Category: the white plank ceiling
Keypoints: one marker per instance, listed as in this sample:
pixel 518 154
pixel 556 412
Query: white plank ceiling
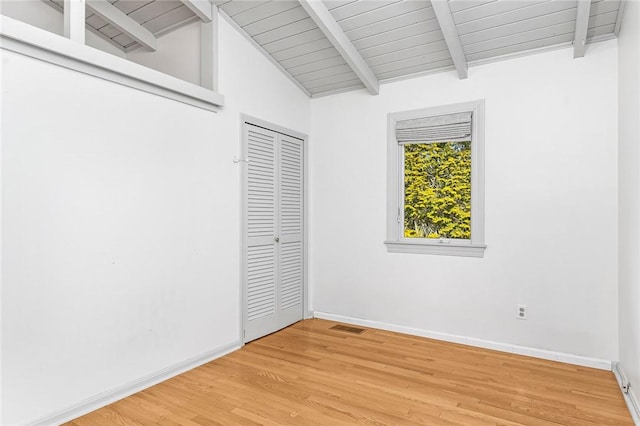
pixel 287 34
pixel 385 39
pixel 403 38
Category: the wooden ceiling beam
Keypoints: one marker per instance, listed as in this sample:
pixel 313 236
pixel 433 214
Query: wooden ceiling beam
pixel 582 24
pixel 323 19
pixel 202 9
pixel 124 23
pixel 451 37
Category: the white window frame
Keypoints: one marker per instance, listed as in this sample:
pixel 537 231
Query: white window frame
pixel 396 242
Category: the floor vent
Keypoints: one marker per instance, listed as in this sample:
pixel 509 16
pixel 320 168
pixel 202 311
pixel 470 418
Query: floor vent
pixel 348 329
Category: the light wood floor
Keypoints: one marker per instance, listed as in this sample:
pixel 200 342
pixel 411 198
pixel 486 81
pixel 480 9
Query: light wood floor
pixel 309 374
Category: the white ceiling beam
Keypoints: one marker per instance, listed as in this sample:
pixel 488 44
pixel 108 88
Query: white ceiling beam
pixel 60 9
pixel 124 23
pixel 209 52
pixel 616 29
pixel 582 24
pixel 74 22
pixel 451 37
pixel 323 19
pixel 202 9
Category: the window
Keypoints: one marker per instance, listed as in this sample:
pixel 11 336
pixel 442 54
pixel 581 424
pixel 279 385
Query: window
pixel 435 201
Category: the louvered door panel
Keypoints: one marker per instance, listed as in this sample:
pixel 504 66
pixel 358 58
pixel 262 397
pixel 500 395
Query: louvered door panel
pixel 291 275
pixel 261 282
pixel 261 219
pixel 290 184
pixel 261 257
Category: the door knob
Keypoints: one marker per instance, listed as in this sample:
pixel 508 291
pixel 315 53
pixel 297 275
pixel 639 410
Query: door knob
pixel 277 239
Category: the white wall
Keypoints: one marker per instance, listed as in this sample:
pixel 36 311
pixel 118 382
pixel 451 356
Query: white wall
pixel 120 221
pixel 120 224
pixel 629 195
pixel 178 54
pixel 551 208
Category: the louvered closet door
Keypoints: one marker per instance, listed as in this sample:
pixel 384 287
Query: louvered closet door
pixel 291 214
pixel 261 227
pixel 273 249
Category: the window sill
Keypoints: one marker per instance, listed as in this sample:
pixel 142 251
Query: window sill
pixel 40 44
pixel 446 249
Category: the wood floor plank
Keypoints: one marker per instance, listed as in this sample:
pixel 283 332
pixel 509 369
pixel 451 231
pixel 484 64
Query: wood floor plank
pixel 310 374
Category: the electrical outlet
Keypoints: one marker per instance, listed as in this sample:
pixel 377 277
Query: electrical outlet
pixel 522 312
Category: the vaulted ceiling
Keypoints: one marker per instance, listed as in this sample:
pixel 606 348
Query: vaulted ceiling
pixel 332 46
pixel 360 43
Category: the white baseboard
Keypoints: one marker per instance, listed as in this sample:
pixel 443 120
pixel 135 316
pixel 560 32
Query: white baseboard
pixel 630 397
pixel 112 395
pixel 472 341
pixel 634 406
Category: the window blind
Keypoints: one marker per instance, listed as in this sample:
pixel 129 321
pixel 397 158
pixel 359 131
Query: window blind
pixel 441 128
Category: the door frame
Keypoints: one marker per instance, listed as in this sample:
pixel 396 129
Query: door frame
pixel 248 119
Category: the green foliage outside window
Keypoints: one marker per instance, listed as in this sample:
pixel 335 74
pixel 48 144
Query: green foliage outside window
pixel 437 190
